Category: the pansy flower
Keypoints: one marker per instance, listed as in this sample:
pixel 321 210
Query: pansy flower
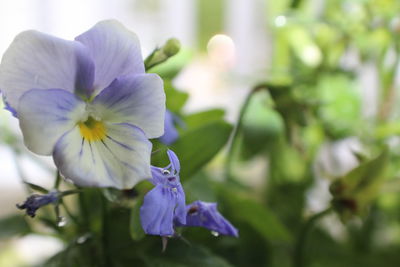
pixel 87 102
pixel 205 214
pixel 165 202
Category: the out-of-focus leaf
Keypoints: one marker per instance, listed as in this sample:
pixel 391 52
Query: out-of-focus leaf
pixel 14 225
pixel 262 126
pixel 258 216
pixel 169 69
pixel 175 99
pixel 135 226
pixel 37 188
pixel 200 118
pixel 341 109
pixel 181 254
pixel 303 45
pixel 387 129
pixel 197 147
pixel 286 163
pixel 354 192
pixel 76 254
pixel 200 187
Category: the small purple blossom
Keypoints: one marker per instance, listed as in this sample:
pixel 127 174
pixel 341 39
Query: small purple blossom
pixel 204 214
pixel 165 202
pixel 36 201
pixel 170 132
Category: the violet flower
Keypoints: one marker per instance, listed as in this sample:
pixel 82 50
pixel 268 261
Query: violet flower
pixel 87 102
pixel 165 202
pixel 170 132
pixel 36 201
pixel 204 214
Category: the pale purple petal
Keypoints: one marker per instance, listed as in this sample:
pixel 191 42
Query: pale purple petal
pixel 45 115
pixel 138 100
pixel 38 60
pixel 170 132
pixel 115 51
pixel 120 160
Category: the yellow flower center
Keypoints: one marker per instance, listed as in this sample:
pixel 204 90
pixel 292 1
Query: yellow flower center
pixel 92 130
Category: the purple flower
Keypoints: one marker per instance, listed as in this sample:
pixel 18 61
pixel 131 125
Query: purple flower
pixel 34 202
pixel 165 202
pixel 206 215
pixel 87 102
pixel 170 132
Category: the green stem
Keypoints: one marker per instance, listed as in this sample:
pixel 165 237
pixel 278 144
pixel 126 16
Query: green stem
pixel 301 243
pixel 69 213
pixel 237 130
pixel 57 181
pixel 106 251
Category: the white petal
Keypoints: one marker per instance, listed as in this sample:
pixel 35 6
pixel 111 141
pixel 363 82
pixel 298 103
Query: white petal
pixel 45 115
pixel 115 51
pixel 138 100
pixel 121 160
pixel 36 60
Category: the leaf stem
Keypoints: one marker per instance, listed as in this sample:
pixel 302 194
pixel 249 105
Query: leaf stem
pixel 237 130
pixel 57 181
pixel 298 255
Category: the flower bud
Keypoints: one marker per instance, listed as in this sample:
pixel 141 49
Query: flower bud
pixel 171 47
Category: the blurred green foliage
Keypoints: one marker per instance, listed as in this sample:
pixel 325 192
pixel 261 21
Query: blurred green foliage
pixel 311 97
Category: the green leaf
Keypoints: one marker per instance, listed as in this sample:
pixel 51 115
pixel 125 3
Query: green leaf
pixel 200 118
pixel 170 68
pixel 362 177
pixel 135 227
pixel 197 147
pixel 262 126
pixel 37 188
pixel 199 187
pixel 257 216
pixel 13 226
pixel 180 254
pixel 353 193
pixel 340 113
pixel 175 99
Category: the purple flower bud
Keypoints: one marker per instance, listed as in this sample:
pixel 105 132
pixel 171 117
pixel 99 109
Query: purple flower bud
pixel 165 202
pixel 204 214
pixel 36 201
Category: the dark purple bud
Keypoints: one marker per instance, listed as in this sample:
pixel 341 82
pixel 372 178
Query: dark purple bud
pixel 36 201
